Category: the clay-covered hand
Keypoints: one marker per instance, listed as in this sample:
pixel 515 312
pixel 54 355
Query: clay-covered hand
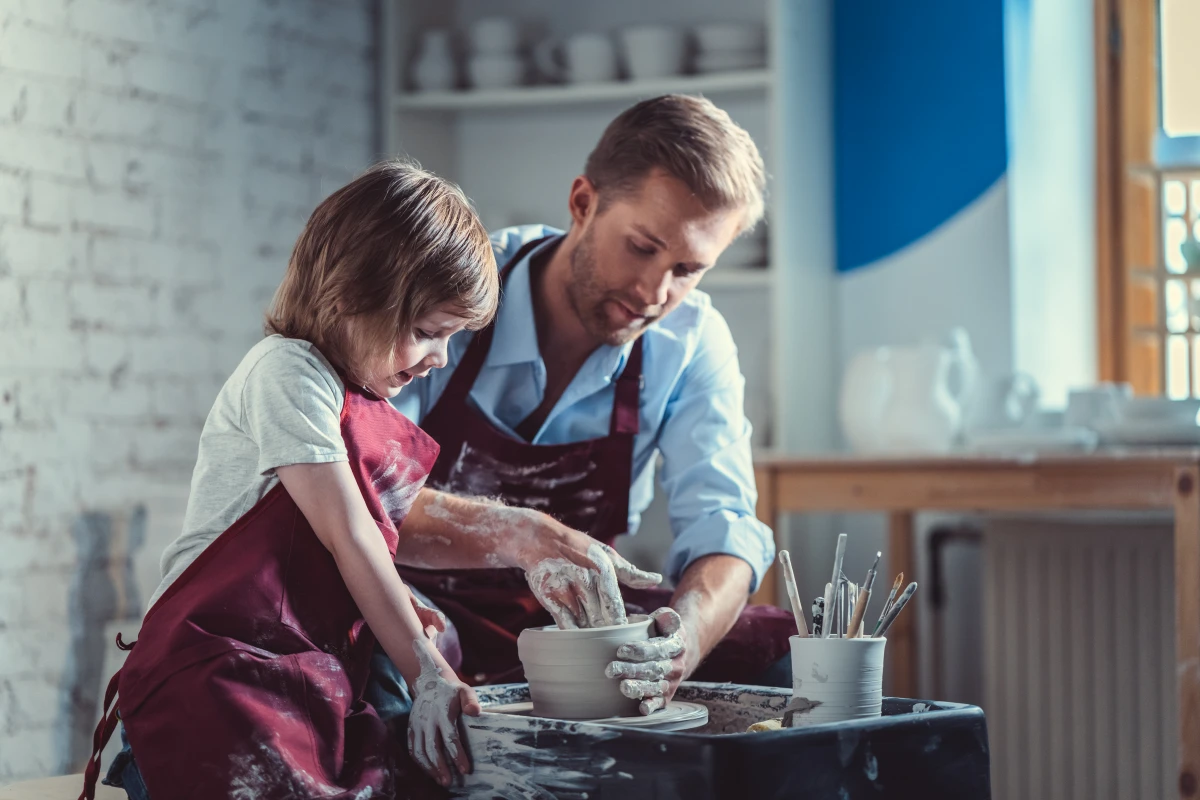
pixel 651 671
pixel 433 621
pixel 434 738
pixel 577 579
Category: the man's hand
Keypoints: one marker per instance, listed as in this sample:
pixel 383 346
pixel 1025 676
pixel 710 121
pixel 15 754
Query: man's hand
pixel 577 579
pixel 651 671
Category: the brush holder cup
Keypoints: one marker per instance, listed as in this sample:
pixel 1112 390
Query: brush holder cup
pixel 842 677
pixel 565 669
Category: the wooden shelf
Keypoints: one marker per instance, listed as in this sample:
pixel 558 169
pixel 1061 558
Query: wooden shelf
pixel 582 94
pixel 738 278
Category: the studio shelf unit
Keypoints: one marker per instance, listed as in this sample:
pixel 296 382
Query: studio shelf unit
pixel 515 151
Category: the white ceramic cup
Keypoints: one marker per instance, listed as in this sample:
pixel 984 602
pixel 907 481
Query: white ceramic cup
pixel 844 677
pixel 565 669
pixel 653 51
pixel 496 36
pixel 495 72
pixel 582 58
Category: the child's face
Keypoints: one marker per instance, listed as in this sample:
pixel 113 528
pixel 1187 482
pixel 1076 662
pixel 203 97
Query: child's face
pixel 417 351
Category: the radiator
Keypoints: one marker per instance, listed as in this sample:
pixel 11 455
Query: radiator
pixel 1079 653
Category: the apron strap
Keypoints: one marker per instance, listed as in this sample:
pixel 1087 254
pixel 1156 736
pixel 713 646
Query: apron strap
pixel 627 401
pixel 104 732
pixel 467 370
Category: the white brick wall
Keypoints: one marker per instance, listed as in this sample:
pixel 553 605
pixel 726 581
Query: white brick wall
pixel 157 159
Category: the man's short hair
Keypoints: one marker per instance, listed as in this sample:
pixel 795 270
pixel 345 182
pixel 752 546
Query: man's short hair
pixel 689 139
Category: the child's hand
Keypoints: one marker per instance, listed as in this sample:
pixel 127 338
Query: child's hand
pixel 434 738
pixel 433 621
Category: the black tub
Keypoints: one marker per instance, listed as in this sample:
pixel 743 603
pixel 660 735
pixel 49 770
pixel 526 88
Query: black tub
pixel 917 749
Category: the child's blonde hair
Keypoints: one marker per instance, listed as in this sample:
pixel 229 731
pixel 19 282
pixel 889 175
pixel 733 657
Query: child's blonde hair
pixel 387 248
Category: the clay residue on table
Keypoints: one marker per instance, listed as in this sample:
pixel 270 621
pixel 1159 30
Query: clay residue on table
pixel 732 709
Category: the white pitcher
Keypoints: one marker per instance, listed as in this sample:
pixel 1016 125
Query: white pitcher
pixel 908 399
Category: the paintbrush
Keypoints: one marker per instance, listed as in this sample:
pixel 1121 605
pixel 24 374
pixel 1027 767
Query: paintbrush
pixel 895 610
pixel 864 596
pixel 887 604
pixel 831 587
pixel 789 579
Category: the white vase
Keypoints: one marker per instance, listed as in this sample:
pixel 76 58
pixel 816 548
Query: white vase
pixel 908 399
pixel 433 68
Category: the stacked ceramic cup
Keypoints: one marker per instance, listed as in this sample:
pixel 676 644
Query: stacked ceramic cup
pixel 653 51
pixel 729 47
pixel 494 60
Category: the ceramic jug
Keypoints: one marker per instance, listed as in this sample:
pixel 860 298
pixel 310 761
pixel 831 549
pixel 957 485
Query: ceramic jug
pixel 909 399
pixel 433 68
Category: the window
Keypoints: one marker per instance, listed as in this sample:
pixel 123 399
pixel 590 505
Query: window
pixel 1148 194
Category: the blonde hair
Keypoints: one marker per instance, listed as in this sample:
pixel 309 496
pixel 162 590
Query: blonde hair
pixel 387 248
pixel 691 140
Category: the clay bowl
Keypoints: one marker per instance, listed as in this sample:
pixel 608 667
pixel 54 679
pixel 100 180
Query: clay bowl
pixel 565 669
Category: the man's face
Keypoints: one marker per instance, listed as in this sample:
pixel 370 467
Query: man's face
pixel 638 258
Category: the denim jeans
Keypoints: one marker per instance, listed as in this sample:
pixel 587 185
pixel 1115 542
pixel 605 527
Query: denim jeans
pixel 123 772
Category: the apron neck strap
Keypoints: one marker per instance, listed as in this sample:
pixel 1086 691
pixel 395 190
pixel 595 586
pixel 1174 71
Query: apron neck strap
pixel 467 370
pixel 628 394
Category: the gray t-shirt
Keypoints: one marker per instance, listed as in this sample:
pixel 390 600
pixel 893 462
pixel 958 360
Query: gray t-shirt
pixel 281 406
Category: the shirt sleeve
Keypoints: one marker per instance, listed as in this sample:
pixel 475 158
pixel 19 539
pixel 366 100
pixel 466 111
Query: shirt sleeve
pixel 708 471
pixel 291 408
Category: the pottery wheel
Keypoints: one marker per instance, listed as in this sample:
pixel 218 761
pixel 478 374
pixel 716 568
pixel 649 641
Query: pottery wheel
pixel 677 716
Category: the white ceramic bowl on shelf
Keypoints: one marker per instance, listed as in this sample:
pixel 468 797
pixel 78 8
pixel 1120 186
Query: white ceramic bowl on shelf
pixel 496 36
pixel 720 37
pixel 565 669
pixel 495 72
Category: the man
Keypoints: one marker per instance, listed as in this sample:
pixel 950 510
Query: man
pixel 602 357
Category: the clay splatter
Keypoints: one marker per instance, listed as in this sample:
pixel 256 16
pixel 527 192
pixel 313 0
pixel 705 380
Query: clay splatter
pixel 397 481
pixel 871 764
pixel 478 473
pixel 429 723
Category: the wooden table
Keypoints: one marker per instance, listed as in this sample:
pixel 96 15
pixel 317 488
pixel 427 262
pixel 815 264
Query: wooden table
pixel 899 487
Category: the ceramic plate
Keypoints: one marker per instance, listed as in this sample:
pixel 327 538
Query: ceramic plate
pixel 678 715
pixel 1038 441
pixel 1151 432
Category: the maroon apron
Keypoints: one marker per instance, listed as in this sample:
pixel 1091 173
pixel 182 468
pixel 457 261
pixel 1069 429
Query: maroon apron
pixel 584 485
pixel 248 677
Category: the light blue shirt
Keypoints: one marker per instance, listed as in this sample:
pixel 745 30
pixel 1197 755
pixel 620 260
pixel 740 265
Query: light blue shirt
pixel 691 412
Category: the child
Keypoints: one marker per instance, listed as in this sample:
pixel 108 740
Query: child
pixel 248 677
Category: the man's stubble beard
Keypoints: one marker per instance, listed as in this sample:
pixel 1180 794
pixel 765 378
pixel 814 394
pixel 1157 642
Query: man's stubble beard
pixel 587 296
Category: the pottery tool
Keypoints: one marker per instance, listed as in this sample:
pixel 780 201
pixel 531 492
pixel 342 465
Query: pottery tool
pixel 818 615
pixel 895 610
pixel 843 605
pixel 789 578
pixel 839 554
pixel 864 597
pixel 887 604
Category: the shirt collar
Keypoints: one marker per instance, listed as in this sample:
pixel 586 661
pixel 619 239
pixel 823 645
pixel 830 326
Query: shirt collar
pixel 515 338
